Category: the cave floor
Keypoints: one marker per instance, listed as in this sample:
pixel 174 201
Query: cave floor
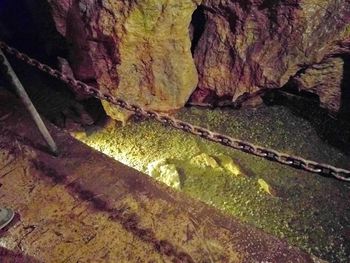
pixel 86 207
pixel 308 210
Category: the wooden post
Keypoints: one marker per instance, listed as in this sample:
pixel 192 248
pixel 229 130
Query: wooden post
pixel 28 103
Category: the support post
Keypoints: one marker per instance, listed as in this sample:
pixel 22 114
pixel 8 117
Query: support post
pixel 27 103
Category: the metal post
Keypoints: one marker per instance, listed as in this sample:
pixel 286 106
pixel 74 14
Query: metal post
pixel 28 103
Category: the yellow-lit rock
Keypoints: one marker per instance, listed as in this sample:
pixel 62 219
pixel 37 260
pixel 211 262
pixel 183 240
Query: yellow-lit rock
pixel 267 188
pixel 157 69
pixel 165 172
pixel 139 51
pixel 204 160
pixel 228 164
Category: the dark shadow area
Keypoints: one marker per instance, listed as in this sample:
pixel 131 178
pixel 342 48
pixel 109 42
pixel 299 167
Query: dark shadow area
pixel 334 130
pixel 55 100
pixel 271 8
pixel 197 26
pixel 9 256
pixel 28 26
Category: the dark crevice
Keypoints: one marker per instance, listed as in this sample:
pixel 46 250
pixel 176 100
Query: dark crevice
pixel 29 27
pixel 229 14
pixel 197 26
pixel 271 7
pixel 54 100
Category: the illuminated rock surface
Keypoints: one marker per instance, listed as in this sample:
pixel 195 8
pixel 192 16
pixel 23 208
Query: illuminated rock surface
pixel 141 51
pixel 249 45
pixel 137 51
pixel 325 80
pixel 165 172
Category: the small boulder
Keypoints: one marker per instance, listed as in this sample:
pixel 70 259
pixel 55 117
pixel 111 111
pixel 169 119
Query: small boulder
pixel 267 188
pixel 165 172
pixel 204 160
pixel 228 164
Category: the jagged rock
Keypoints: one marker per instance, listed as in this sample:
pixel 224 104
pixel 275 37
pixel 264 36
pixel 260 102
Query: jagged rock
pixel 267 188
pixel 165 172
pixel 244 46
pixel 325 80
pixel 220 163
pixel 228 164
pixel 205 161
pixel 139 51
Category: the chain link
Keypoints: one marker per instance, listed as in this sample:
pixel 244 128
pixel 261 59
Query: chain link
pixel 266 153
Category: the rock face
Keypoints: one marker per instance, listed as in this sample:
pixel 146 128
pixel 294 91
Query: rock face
pixel 325 80
pixel 249 45
pixel 141 50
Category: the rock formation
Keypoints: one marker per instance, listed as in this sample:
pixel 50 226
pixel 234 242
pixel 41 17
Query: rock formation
pixel 155 53
pixel 139 51
pixel 250 45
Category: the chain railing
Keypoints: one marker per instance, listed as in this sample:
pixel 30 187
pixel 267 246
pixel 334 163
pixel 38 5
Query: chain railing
pixel 237 144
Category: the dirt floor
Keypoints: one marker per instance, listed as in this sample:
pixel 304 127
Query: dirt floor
pixel 86 207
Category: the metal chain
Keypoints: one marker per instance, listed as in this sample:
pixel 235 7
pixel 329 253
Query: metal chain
pixel 237 144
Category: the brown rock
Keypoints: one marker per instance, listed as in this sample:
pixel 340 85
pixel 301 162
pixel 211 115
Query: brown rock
pixel 325 80
pixel 141 50
pixel 136 51
pixel 249 45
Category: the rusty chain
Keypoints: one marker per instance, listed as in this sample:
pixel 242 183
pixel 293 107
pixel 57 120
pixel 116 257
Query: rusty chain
pixel 266 153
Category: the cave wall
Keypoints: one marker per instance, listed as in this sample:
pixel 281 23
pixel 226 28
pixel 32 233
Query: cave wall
pixel 136 50
pixel 251 45
pixel 156 53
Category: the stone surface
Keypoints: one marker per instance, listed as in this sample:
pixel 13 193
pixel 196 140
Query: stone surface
pixel 165 172
pixel 249 45
pixel 325 80
pixel 204 160
pixel 266 187
pixel 227 163
pixel 141 50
